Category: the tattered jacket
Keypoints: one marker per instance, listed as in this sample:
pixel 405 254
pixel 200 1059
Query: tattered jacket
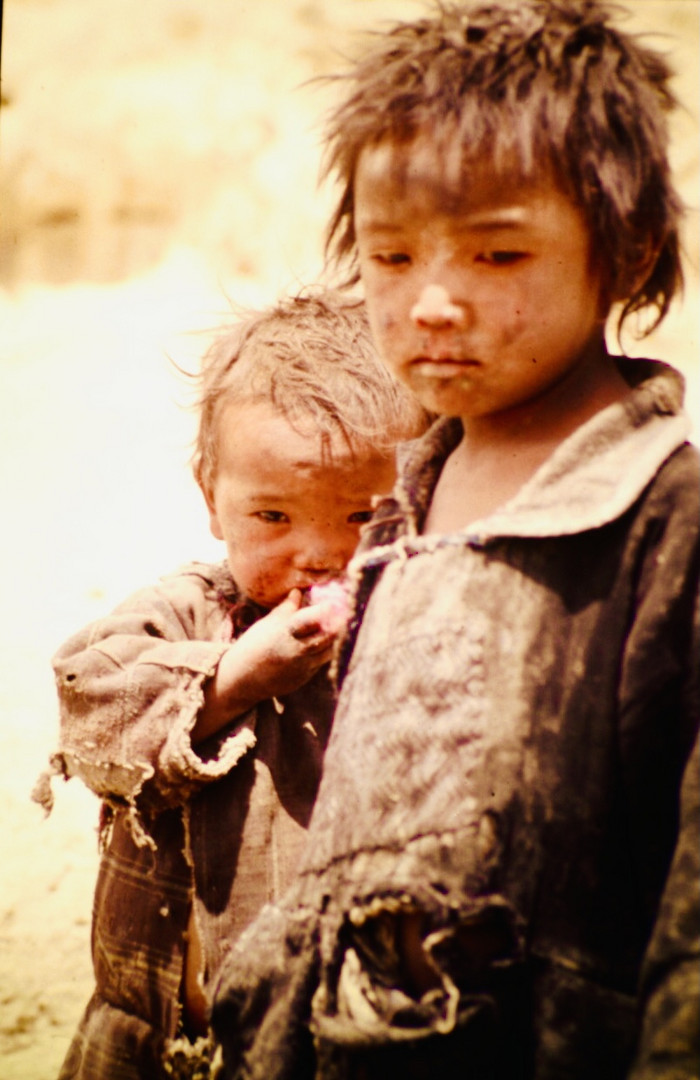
pixel 518 705
pixel 220 826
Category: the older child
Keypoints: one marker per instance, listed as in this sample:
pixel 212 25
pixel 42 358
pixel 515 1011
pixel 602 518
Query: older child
pixel 520 677
pixel 199 710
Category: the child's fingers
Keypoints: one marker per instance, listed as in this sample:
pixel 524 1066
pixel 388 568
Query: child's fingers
pixel 306 624
pixel 325 655
pixel 319 654
pixel 291 602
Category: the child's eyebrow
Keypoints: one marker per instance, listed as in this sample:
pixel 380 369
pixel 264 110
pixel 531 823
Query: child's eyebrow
pixel 367 224
pixel 510 218
pixel 480 221
pixel 264 493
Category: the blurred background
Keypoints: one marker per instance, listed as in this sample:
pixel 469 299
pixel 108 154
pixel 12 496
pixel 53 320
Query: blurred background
pixel 158 164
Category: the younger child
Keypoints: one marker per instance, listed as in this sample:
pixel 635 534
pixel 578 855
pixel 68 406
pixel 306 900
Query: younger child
pixel 515 891
pixel 199 710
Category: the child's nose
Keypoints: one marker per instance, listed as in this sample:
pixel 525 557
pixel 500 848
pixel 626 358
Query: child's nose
pixel 435 309
pixel 324 555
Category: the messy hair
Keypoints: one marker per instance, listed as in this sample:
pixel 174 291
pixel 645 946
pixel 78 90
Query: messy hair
pixel 312 358
pixel 532 86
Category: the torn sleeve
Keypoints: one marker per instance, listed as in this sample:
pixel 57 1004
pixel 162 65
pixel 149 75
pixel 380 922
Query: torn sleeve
pixel 130 687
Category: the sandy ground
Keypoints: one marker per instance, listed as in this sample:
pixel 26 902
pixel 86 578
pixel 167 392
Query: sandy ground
pixel 157 162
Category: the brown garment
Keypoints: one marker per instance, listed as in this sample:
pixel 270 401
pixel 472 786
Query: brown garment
pixel 221 827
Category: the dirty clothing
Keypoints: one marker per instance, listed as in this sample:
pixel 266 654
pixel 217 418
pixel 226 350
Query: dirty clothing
pixel 519 701
pixel 221 826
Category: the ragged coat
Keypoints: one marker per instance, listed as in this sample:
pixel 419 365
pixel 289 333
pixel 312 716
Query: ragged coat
pixel 518 706
pixel 219 827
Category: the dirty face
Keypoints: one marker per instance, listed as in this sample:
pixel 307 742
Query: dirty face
pixel 480 289
pixel 288 510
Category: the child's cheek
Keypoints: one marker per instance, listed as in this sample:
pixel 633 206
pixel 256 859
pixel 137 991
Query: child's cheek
pixel 382 311
pixel 509 314
pixel 384 323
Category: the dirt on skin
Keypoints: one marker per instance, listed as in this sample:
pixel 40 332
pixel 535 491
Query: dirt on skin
pixel 159 162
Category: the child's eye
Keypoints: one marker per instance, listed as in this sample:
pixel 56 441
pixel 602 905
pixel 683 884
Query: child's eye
pixel 360 517
pixel 392 258
pixel 274 516
pixel 501 258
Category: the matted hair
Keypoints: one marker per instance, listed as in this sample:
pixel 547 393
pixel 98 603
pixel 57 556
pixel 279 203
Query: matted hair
pixel 531 86
pixel 312 358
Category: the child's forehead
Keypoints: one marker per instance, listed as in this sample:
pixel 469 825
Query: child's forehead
pixel 256 413
pixel 261 425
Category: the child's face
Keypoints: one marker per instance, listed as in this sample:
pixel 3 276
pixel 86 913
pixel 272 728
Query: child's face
pixel 290 517
pixel 480 291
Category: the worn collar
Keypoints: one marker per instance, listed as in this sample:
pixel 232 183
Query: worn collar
pixel 591 478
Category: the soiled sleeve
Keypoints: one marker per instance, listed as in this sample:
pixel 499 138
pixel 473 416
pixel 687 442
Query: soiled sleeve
pixel 130 687
pixel 670 1042
pixel 660 690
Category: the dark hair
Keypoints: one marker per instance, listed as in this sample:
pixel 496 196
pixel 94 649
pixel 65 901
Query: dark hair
pixel 530 86
pixel 312 357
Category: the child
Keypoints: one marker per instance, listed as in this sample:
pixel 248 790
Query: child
pixel 199 710
pixel 519 680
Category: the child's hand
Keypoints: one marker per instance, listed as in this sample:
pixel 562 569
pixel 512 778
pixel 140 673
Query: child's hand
pixel 281 651
pixel 275 656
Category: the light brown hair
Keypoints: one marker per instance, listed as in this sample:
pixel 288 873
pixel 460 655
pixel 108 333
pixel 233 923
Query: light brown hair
pixel 312 357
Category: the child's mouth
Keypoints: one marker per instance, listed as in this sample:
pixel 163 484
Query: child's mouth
pixel 443 367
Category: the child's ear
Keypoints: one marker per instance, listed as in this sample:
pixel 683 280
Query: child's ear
pixel 214 523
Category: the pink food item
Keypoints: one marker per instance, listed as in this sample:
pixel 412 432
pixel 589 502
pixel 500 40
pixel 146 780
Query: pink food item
pixel 334 599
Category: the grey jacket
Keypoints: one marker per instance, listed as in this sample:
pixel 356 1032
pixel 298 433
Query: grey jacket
pixel 519 702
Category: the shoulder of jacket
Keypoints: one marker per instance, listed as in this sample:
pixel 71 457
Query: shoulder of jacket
pixel 204 577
